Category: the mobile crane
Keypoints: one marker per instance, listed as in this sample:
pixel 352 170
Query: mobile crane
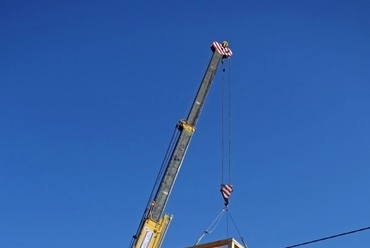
pixel 154 223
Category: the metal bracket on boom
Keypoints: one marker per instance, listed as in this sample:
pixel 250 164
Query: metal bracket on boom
pixel 184 125
pixel 151 208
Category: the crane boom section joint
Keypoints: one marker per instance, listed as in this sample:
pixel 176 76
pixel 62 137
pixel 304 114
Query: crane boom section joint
pixel 184 125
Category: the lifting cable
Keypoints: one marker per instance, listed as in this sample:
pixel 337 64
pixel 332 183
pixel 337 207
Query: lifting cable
pixel 226 188
pixel 229 119
pixel 213 226
pixel 241 237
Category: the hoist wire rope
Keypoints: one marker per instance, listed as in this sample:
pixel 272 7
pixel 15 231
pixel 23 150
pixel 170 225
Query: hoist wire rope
pixel 212 226
pixel 223 125
pixel 160 175
pixel 164 165
pixel 222 122
pixel 229 72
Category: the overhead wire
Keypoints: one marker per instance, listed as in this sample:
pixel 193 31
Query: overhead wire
pixel 329 237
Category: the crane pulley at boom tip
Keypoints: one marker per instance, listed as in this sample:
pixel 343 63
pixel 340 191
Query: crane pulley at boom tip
pixel 154 222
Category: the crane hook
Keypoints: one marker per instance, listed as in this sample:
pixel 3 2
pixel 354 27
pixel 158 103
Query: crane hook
pixel 226 190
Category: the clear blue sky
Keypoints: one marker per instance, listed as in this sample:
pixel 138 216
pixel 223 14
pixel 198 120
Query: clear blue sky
pixel 90 92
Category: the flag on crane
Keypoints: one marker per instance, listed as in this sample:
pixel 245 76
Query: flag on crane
pixel 226 190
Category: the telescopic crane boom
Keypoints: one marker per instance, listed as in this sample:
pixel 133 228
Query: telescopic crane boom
pixel 154 223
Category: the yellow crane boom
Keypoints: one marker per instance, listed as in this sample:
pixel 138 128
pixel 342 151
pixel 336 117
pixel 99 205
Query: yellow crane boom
pixel 154 223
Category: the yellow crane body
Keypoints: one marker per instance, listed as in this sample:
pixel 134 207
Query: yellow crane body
pixel 153 232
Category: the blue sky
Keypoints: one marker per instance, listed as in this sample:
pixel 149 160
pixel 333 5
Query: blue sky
pixel 90 92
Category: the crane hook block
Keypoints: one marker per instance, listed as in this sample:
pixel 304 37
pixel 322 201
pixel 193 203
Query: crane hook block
pixel 226 190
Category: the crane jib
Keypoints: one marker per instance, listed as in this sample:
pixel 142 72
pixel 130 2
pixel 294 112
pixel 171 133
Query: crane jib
pixel 183 141
pixel 185 129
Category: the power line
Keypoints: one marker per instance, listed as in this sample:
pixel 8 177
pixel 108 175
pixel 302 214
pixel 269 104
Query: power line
pixel 329 237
